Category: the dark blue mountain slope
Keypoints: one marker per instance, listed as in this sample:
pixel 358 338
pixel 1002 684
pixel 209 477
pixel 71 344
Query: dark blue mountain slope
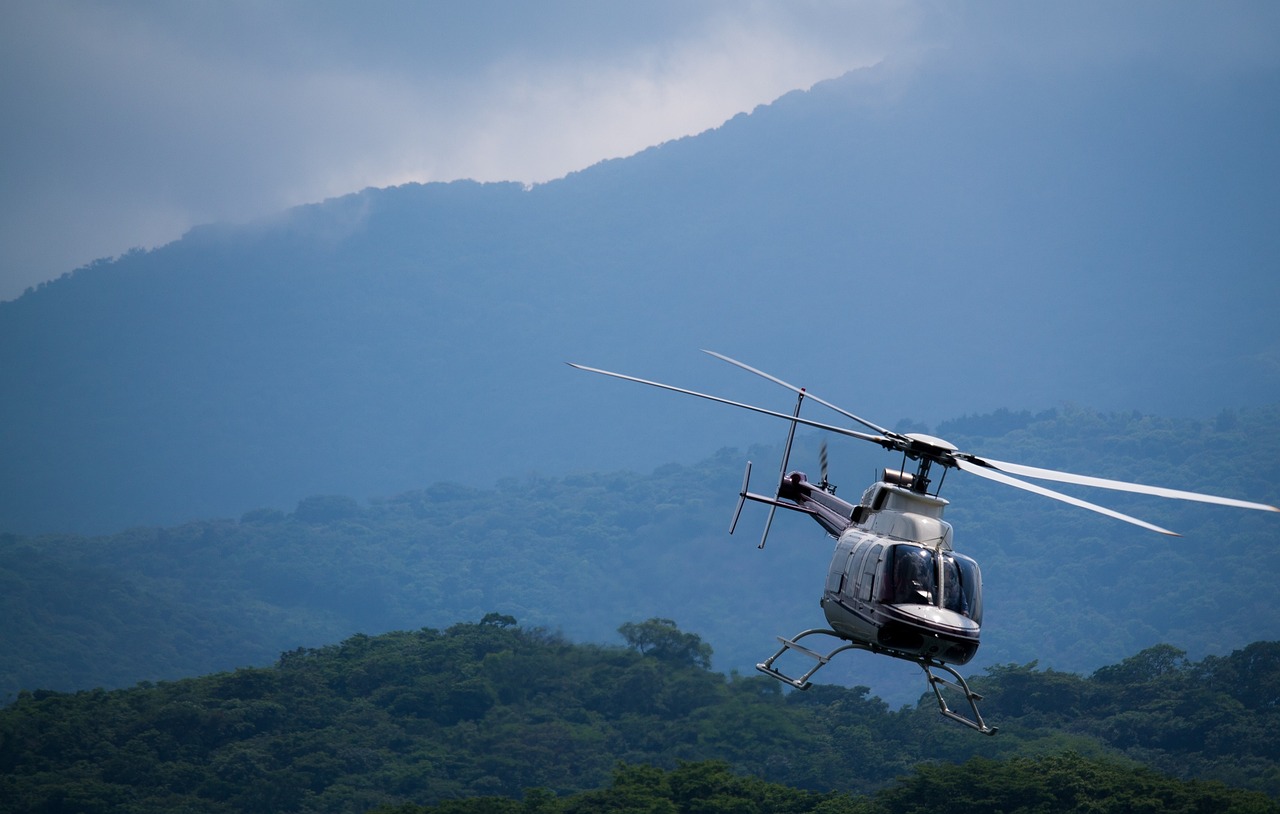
pixel 919 243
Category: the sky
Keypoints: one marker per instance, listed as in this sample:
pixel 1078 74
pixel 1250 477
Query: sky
pixel 129 122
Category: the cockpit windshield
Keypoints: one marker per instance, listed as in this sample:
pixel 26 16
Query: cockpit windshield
pixel 913 576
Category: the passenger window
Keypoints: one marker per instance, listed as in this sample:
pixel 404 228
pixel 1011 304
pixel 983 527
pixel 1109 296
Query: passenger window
pixel 854 566
pixel 839 565
pixel 868 578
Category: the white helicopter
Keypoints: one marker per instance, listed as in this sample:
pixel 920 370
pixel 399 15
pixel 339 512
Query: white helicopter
pixel 895 586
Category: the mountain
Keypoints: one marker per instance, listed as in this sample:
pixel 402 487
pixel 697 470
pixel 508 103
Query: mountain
pixel 918 242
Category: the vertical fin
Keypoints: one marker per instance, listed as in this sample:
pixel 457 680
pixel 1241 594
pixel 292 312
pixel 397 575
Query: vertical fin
pixel 768 521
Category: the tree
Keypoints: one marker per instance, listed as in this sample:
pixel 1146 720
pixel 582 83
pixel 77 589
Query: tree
pixel 664 641
pixel 1154 663
pixel 498 620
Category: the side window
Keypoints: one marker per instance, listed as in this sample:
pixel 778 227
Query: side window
pixel 853 566
pixel 839 565
pixel 971 581
pixel 869 568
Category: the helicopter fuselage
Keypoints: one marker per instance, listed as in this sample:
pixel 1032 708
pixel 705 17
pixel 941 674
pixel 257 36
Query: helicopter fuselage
pixel 894 583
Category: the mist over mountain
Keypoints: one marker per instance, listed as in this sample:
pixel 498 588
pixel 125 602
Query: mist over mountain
pixel 916 242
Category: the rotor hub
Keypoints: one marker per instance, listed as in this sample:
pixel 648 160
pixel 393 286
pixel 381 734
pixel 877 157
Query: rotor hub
pixel 929 446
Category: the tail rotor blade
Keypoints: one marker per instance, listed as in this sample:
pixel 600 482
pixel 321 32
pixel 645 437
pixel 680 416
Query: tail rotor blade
pixel 742 498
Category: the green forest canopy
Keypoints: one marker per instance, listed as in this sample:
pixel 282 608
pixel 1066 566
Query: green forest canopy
pixel 1061 783
pixel 493 709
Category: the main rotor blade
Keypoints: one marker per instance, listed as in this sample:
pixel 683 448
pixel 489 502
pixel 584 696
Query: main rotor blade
pixel 887 443
pixel 999 477
pixel 809 395
pixel 1119 485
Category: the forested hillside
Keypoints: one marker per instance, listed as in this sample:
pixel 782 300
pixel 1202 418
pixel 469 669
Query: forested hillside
pixel 1062 783
pixel 1100 237
pixel 584 554
pixel 492 708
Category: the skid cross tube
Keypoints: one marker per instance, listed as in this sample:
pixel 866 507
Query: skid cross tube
pixel 976 722
pixel 956 681
pixel 802 683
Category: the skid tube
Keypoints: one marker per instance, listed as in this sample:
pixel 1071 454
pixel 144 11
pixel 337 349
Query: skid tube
pixel 925 663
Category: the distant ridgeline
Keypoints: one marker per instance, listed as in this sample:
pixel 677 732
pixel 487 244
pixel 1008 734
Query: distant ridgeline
pixel 491 709
pixel 583 554
pixel 586 553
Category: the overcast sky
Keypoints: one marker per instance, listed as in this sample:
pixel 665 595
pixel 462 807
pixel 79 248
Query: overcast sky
pixel 128 122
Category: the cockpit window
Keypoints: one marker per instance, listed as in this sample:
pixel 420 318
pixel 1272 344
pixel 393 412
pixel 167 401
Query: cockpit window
pixel 913 574
pixel 913 578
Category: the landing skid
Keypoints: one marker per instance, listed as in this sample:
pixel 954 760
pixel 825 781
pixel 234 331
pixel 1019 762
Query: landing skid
pixel 926 664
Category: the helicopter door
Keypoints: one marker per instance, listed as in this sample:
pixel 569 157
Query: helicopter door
pixel 839 566
pixel 852 585
pixel 867 578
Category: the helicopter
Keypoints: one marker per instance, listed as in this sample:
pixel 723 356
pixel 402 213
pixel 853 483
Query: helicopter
pixel 896 586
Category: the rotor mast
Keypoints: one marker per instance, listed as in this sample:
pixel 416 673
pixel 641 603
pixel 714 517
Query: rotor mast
pixel 926 450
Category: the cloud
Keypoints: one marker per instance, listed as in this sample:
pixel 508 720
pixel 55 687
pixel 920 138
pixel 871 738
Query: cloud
pixel 139 120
